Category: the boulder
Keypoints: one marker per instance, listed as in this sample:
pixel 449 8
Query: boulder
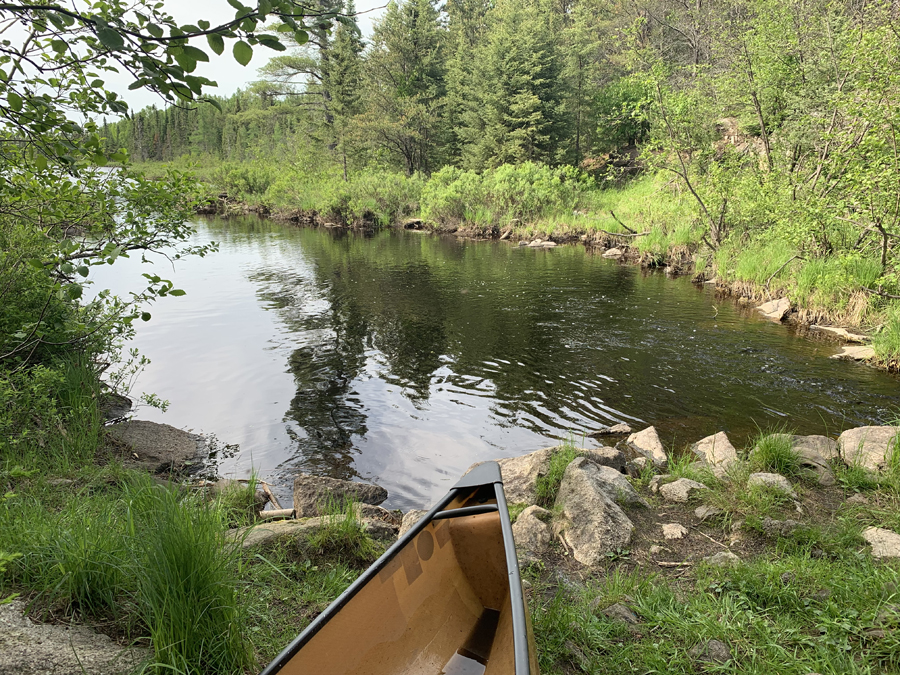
pixel 885 543
pixel 717 452
pixel 613 253
pixel 611 457
pixel 269 531
pixel 657 481
pixel 520 474
pixel 621 428
pixel 377 514
pixel 158 448
pixel 855 353
pixel 410 518
pixel 841 333
pixel 594 525
pixel 868 447
pixel 706 511
pixel 681 490
pixel 674 531
pixel 614 485
pixel 314 493
pixel 825 447
pixel 646 443
pixel 773 481
pixel 531 531
pixel 774 310
pixel 815 463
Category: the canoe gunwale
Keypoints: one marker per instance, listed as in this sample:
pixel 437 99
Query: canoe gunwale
pixel 484 474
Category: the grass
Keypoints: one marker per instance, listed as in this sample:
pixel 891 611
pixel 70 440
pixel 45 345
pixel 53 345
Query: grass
pixel 773 452
pixel 343 538
pixel 547 486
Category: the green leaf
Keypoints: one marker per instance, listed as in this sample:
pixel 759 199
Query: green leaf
pixel 35 263
pixel 203 23
pixel 40 162
pixel 216 43
pixel 195 53
pixel 242 52
pixel 14 101
pixel 59 46
pixel 110 38
pixel 301 36
pixel 154 30
pixel 83 270
pixel 145 316
pixel 238 6
pixel 176 292
pixel 271 43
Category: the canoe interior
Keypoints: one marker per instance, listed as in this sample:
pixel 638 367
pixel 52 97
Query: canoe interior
pixel 441 605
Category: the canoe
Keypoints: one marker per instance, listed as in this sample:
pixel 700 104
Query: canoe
pixel 445 599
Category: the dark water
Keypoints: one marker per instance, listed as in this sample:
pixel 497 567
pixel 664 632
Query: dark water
pixel 402 358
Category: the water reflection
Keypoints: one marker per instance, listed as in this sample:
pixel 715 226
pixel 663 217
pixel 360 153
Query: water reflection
pixel 403 358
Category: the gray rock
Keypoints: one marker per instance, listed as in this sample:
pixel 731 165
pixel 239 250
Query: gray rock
pixel 410 518
pixel 885 543
pixel 773 481
pixel 158 448
pixel 681 490
pixel 825 447
pixel 611 457
pixel 619 612
pixel 717 452
pixel 657 481
pixel 868 447
pixel 656 549
pixel 620 428
pixel 774 310
pixel 816 463
pixel 636 467
pixel 714 651
pixel 593 525
pixel 674 531
pixel 705 511
pixel 520 474
pixel 380 530
pixel 269 531
pixel 531 532
pixel 857 499
pixel 377 514
pixel 613 253
pixel 313 493
pixel 615 485
pixel 780 528
pixel 723 559
pixel 855 353
pixel 841 333
pixel 45 649
pixel 646 443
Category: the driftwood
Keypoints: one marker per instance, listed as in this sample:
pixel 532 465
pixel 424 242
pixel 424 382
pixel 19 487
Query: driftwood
pixel 616 218
pixel 270 495
pixel 622 234
pixel 881 293
pixel 277 514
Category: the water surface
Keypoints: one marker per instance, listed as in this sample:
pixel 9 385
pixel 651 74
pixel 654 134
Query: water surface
pixel 403 357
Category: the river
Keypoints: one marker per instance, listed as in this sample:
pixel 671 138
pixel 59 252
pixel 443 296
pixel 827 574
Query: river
pixel 402 358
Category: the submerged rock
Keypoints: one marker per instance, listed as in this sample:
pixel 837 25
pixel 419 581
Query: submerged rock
pixel 594 525
pixel 621 428
pixel 868 447
pixel 855 353
pixel 646 443
pixel 774 310
pixel 312 494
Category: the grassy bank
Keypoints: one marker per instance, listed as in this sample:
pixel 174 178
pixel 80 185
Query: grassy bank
pixel 760 256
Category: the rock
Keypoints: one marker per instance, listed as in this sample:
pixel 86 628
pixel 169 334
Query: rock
pixel 46 649
pixel 681 490
pixel 614 485
pixel 788 578
pixel 410 518
pixel 636 466
pixel 313 493
pixel 376 513
pixel 723 559
pixel 855 353
pixel 60 482
pixel 646 443
pixel 857 499
pixel 815 463
pixel 520 474
pixel 412 224
pixel 611 457
pixel 114 406
pixel 885 544
pixel 868 447
pixel 536 243
pixel 621 428
pixel 825 447
pixel 613 253
pixel 656 549
pixel 593 524
pixel 713 651
pixel 780 528
pixel 706 511
pixel 380 530
pixel 269 531
pixel 656 482
pixel 674 531
pixel 774 310
pixel 548 244
pixel 158 448
pixel 531 532
pixel 773 481
pixel 619 612
pixel 822 595
pixel 888 615
pixel 841 333
pixel 717 452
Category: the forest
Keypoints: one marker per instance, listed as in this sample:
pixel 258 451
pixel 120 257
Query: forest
pixel 754 141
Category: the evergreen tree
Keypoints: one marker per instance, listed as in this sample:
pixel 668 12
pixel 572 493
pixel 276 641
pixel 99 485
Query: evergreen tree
pixel 343 80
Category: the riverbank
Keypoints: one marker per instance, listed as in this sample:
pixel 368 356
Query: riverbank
pixel 649 222
pixel 707 560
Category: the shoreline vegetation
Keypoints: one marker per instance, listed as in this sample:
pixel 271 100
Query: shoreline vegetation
pixel 648 220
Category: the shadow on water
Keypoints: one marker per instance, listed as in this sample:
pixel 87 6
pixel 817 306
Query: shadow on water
pixel 411 356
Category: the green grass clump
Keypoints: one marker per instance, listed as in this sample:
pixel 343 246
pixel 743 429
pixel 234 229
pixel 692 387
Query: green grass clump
pixel 343 537
pixel 886 342
pixel 547 486
pixel 237 503
pixel 515 510
pixel 774 453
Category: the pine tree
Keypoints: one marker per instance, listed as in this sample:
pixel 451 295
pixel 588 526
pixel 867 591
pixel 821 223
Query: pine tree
pixel 343 80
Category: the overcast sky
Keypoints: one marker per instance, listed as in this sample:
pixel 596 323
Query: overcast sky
pixel 224 70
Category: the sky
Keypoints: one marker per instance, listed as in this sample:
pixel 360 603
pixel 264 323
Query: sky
pixel 224 70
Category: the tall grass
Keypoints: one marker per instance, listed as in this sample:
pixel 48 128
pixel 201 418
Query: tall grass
pixel 774 452
pixel 547 486
pixel 343 537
